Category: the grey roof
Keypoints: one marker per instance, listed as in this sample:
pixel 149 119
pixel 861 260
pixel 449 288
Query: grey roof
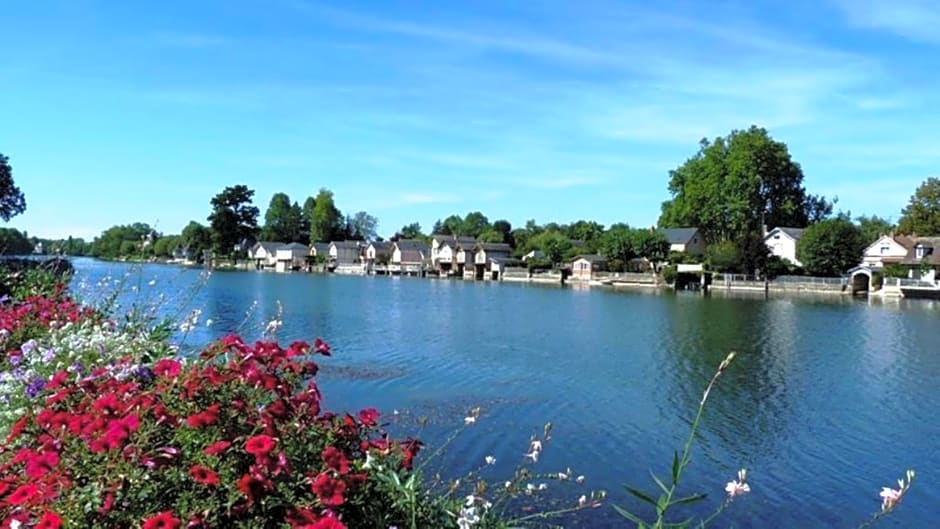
pixel 494 247
pixel 350 245
pixel 381 246
pixel 412 244
pixel 320 247
pixel 591 258
pixel 678 235
pixel 269 246
pixel 794 233
pixel 931 253
pixel 294 246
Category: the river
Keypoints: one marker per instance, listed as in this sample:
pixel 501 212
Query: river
pixel 828 400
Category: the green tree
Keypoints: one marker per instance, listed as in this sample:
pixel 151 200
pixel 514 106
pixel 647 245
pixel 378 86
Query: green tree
pixel 617 243
pixel 474 224
pixel 873 227
pixel 12 201
pixel 164 246
pixel 491 235
pixel 410 231
pixel 753 253
pixel 553 244
pixel 197 238
pixel 831 247
pixel 735 184
pixel 233 219
pixel 452 225
pixel 279 222
pixel 922 214
pixel 362 226
pixel 326 222
pixel 505 228
pixel 649 244
pixel 586 230
pixel 305 219
pixel 14 242
pixel 121 241
pixel 723 257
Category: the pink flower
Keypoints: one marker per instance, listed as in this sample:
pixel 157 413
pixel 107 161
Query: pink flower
pixel 738 487
pixel 890 498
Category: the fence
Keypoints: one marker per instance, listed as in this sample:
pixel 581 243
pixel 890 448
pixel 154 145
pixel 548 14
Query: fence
pixel 810 279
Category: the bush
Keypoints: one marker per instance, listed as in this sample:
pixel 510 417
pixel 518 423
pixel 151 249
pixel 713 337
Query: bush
pixel 669 274
pixel 22 278
pixel 235 439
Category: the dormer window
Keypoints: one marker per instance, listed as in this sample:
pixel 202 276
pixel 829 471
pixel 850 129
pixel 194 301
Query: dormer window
pixel 885 249
pixel 920 251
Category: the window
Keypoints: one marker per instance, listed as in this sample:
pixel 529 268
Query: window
pixel 885 249
pixel 920 251
pixel 777 236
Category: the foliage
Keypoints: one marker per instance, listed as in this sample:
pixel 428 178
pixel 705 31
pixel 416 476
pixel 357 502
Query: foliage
pixel 121 241
pixel 505 229
pixel 12 201
pixel 410 231
pixel 233 219
pixel 197 239
pixel 922 214
pixel 361 227
pixel 24 278
pixel 283 221
pixel 553 245
pixel 873 227
pixel 650 244
pixel 164 246
pixel 752 252
pixel 14 242
pixel 326 221
pixel 474 224
pixel 722 257
pixel 670 273
pixel 735 184
pixel 895 270
pixel 831 247
pixel 235 439
pixel 622 243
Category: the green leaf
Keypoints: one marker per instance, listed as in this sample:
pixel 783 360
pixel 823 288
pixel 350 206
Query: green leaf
pixel 630 516
pixel 659 482
pixel 639 494
pixel 689 499
pixel 675 466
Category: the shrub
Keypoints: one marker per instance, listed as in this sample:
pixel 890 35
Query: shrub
pixel 669 274
pixel 235 439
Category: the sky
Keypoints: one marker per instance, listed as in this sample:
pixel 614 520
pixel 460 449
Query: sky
pixel 118 112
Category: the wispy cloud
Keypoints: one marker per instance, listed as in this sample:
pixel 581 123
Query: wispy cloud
pixel 916 20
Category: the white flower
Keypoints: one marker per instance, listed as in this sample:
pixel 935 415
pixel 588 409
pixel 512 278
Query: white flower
pixel 507 484
pixel 536 446
pixel 369 460
pixel 529 488
pixel 152 282
pixel 490 460
pixel 209 322
pixel 543 486
pixel 582 501
pixel 534 456
pixel 469 420
pixel 471 499
pixel 738 487
pixel 580 479
pixel 564 475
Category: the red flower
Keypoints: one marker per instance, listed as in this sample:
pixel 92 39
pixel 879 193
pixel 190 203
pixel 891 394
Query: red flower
pixel 38 465
pixel 329 490
pixel 50 520
pixel 167 368
pixel 335 459
pixel 204 475
pixel 216 448
pixel 162 520
pixel 368 416
pixel 321 347
pixel 23 494
pixel 204 418
pixel 253 486
pixel 325 523
pixel 259 445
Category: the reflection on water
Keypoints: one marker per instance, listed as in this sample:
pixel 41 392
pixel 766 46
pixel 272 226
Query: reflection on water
pixel 829 399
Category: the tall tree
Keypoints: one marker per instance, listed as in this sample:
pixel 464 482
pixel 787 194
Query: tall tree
pixel 649 244
pixel 553 244
pixel 326 221
pixel 474 224
pixel 14 242
pixel 362 226
pixel 277 220
pixel 12 201
pixel 735 184
pixel 197 238
pixel 233 219
pixel 305 219
pixel 617 243
pixel 922 214
pixel 452 225
pixel 873 227
pixel 831 247
pixel 410 231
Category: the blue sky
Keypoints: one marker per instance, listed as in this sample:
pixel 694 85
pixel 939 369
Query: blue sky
pixel 116 112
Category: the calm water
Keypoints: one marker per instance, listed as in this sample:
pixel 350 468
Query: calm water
pixel 829 399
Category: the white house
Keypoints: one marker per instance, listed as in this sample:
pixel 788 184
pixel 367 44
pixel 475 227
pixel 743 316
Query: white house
pixel 888 249
pixel 584 266
pixel 264 253
pixel 409 254
pixel 378 252
pixel 687 240
pixel 290 257
pixel 484 251
pixel 345 252
pixel 782 243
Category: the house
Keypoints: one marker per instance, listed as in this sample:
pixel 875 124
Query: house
pixel 290 257
pixel 584 266
pixel 463 257
pixel 888 249
pixel 923 259
pixel 345 252
pixel 378 252
pixel 782 243
pixel 687 240
pixel 483 251
pixel 182 253
pixel 38 249
pixel 409 253
pixel 443 252
pixel 264 253
pixel 319 251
